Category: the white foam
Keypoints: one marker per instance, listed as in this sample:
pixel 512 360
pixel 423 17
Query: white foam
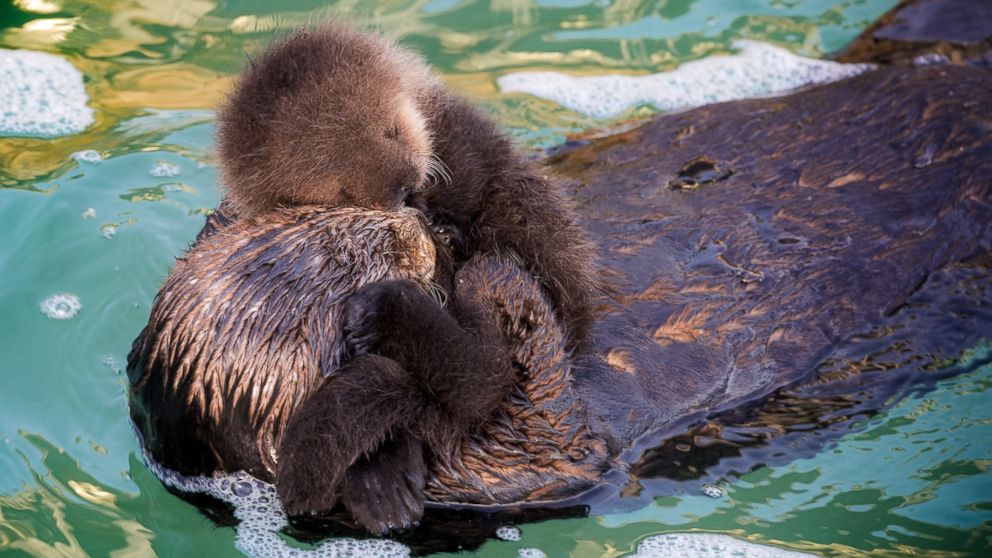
pixel 261 517
pixel 708 545
pixel 531 553
pixel 88 156
pixel 758 70
pixel 713 491
pixel 108 231
pixel 164 169
pixel 508 533
pixel 41 95
pixel 61 306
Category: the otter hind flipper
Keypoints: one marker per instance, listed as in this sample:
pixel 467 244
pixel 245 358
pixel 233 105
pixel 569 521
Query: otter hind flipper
pixel 385 491
pixel 332 430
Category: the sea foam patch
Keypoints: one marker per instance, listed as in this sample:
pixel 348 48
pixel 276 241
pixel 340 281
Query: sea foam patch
pixel 708 545
pixel 757 70
pixel 261 517
pixel 41 95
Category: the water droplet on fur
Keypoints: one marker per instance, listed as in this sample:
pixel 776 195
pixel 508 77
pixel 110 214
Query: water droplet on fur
pixel 700 171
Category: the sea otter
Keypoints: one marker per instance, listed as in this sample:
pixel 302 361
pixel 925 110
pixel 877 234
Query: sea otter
pixel 336 117
pixel 250 329
pixel 844 226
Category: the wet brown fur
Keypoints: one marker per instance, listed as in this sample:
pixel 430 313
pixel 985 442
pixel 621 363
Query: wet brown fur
pixel 244 365
pixel 305 124
pixel 249 323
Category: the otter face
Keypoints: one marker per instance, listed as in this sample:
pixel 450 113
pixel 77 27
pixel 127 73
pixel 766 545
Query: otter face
pixel 326 117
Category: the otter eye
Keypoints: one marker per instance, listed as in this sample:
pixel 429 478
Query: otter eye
pixel 393 132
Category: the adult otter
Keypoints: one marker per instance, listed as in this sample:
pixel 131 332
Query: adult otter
pixel 735 289
pixel 250 330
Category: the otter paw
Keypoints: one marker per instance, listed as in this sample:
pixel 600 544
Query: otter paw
pixel 385 491
pixel 306 482
pixel 364 313
pixel 511 295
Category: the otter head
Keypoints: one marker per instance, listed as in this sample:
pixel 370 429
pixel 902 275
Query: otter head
pixel 325 117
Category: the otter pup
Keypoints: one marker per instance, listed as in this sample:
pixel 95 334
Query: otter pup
pixel 336 117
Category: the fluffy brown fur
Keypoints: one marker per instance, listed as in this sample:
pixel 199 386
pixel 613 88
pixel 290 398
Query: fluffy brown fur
pixel 309 123
pixel 325 118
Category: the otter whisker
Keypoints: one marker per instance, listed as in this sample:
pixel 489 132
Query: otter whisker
pixel 436 292
pixel 437 170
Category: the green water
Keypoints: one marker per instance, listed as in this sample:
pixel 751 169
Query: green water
pixel 913 480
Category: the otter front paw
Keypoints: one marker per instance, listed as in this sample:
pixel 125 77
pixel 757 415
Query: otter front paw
pixel 385 491
pixel 510 295
pixel 364 315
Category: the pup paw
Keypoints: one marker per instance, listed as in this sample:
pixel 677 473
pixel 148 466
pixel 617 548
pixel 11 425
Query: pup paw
pixel 307 483
pixel 385 491
pixel 364 314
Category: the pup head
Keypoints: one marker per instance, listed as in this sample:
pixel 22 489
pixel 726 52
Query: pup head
pixel 325 117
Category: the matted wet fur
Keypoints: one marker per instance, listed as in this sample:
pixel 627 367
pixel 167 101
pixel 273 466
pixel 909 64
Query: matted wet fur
pixel 246 352
pixel 247 325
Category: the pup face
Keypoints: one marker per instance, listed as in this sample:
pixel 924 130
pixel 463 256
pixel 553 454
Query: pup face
pixel 326 117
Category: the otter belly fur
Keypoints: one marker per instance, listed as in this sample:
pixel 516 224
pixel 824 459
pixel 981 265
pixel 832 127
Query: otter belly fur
pixel 248 325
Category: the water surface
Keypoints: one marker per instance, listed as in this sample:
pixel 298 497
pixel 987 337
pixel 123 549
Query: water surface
pixel 913 480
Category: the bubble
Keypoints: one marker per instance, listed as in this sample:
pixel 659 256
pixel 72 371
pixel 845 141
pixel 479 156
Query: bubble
pixel 241 488
pixel 757 70
pixel 89 213
pixel 713 491
pixel 531 553
pixel 43 95
pixel 91 156
pixel 111 362
pixel 508 533
pixel 108 231
pixel 707 545
pixel 164 169
pixel 62 306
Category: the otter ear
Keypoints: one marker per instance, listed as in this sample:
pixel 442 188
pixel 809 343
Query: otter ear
pixel 393 131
